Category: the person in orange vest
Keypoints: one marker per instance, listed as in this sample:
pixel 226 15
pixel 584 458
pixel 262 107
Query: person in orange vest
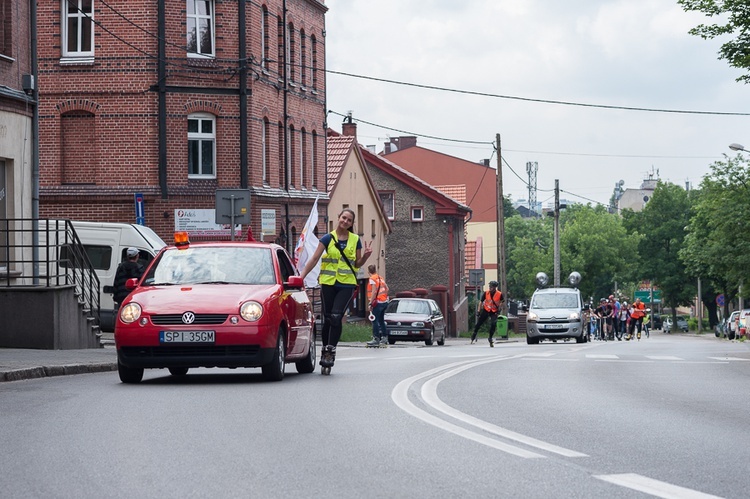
pixel 488 309
pixel 377 301
pixel 636 317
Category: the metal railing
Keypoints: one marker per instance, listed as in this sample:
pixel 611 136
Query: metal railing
pixel 47 253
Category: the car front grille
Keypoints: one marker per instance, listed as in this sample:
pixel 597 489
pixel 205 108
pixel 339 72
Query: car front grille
pixel 200 319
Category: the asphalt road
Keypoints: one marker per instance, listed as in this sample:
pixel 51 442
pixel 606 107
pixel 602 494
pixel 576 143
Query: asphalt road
pixel 663 417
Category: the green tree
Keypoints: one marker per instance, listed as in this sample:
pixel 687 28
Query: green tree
pixel 594 243
pixel 528 250
pixel 736 17
pixel 715 247
pixel 662 225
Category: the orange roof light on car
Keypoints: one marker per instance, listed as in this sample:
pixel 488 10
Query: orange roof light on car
pixel 181 240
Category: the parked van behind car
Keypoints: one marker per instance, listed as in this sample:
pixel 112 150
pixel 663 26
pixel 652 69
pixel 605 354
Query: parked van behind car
pixel 106 244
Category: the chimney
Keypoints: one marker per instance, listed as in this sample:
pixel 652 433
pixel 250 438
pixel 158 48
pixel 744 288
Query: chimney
pixel 405 142
pixel 349 128
pixel 485 162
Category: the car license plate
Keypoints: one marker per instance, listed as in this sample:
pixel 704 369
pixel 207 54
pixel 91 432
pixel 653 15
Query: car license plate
pixel 398 333
pixel 187 336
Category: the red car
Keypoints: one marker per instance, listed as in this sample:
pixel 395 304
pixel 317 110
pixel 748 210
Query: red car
pixel 218 304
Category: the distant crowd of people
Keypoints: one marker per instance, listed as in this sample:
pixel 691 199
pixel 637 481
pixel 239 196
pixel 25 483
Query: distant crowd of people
pixel 621 320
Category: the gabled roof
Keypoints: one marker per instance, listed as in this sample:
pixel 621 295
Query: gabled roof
pixel 444 204
pixel 457 192
pixel 339 148
pixel 438 168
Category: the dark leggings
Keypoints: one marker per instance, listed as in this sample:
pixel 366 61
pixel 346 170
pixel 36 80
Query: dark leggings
pixel 335 302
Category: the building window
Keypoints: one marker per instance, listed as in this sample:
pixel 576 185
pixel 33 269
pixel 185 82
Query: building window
pixel 387 198
pixel 303 58
pixel 280 57
pixel 6 28
pixel 282 157
pixel 78 28
pixel 417 214
pixel 314 46
pixel 200 28
pixel 264 39
pixel 302 156
pixel 265 153
pixel 291 156
pixel 201 146
pixel 313 155
pixel 290 53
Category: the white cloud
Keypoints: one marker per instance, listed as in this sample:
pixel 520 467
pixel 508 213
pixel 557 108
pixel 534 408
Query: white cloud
pixel 634 53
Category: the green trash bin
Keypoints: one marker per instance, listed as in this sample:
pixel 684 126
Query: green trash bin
pixel 501 329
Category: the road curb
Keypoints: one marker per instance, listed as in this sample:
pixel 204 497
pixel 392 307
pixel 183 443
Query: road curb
pixel 49 371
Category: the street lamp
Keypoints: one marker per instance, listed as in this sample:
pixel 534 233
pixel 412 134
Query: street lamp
pixel 736 147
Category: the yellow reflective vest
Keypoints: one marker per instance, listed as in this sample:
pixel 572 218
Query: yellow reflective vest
pixel 333 267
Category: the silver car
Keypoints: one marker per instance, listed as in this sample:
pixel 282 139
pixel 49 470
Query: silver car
pixel 555 313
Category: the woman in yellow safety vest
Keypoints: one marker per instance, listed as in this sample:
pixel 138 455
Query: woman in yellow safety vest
pixel 342 257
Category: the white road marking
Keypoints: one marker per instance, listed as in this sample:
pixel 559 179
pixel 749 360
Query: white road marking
pixel 729 358
pixel 601 356
pixel 400 396
pixel 653 487
pixel 430 396
pixel 663 357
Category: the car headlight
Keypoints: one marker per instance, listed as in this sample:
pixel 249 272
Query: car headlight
pixel 532 317
pixel 574 316
pixel 251 311
pixel 417 324
pixel 130 313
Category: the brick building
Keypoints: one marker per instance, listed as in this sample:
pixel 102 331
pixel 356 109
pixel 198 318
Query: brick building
pixel 17 107
pixel 174 99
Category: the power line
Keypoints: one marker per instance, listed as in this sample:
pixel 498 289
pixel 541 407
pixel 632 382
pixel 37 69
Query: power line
pixel 529 99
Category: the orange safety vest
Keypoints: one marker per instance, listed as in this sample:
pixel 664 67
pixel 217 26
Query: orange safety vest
pixel 381 287
pixel 491 302
pixel 638 310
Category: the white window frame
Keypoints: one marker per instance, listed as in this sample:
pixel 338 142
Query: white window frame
pixel 197 18
pixel 264 38
pixel 81 19
pixel 313 150
pixel 202 137
pixel 417 213
pixel 384 195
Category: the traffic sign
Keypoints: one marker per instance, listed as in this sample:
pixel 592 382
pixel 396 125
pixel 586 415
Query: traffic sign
pixel 645 296
pixel 720 300
pixel 140 216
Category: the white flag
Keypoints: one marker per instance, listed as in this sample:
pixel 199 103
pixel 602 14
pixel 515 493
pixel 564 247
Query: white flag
pixel 307 245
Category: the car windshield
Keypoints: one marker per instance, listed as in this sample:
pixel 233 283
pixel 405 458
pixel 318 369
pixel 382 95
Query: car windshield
pixel 554 300
pixel 408 307
pixel 213 265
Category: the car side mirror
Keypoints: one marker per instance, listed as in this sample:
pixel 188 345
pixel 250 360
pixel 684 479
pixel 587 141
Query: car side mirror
pixel 295 282
pixel 131 283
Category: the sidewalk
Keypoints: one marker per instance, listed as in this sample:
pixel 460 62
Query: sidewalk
pixel 27 363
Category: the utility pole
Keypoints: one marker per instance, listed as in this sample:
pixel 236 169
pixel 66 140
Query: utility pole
pixel 501 276
pixel 557 233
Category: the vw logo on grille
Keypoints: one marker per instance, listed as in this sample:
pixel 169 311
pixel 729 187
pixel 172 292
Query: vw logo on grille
pixel 188 317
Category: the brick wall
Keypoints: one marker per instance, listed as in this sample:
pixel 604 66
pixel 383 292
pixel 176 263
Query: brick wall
pixel 117 94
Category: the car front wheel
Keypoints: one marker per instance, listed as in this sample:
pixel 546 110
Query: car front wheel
pixel 307 365
pixel 178 371
pixel 428 340
pixel 129 374
pixel 532 341
pixel 441 341
pixel 274 370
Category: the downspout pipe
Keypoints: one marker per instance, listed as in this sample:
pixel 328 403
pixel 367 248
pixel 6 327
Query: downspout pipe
pixel 35 179
pixel 287 166
pixel 162 75
pixel 243 93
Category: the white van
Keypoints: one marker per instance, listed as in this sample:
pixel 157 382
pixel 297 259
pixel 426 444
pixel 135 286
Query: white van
pixel 105 244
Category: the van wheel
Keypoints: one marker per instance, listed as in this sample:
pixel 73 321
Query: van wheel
pixel 178 371
pixel 532 341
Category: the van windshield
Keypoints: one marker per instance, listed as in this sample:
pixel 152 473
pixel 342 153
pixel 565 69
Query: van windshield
pixel 555 300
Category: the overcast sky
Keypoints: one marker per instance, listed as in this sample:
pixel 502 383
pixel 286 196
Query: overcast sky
pixel 629 53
